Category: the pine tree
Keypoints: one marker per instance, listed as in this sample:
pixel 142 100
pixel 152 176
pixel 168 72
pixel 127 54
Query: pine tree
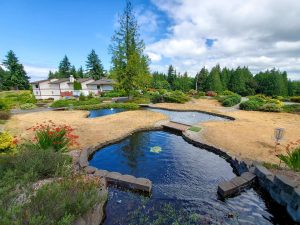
pixel 73 72
pixel 214 80
pixel 94 66
pixel 64 68
pixel 16 76
pixel 202 80
pixel 225 78
pixel 171 76
pixel 80 73
pixel 130 65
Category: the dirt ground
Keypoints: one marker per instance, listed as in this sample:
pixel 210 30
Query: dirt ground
pixel 250 136
pixel 91 131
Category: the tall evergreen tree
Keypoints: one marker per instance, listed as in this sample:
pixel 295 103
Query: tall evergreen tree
pixel 214 79
pixel 202 80
pixel 171 76
pixel 80 73
pixel 16 76
pixel 73 71
pixel 130 65
pixel 225 78
pixel 64 68
pixel 94 66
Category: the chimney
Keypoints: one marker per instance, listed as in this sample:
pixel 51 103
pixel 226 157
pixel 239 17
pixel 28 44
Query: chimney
pixel 72 79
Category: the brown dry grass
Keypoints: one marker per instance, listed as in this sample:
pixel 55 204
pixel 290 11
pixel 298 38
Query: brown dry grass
pixel 91 131
pixel 249 136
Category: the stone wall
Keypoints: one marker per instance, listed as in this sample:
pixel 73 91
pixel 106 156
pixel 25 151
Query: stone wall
pixel 282 189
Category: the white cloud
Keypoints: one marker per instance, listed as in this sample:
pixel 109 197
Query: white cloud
pixel 258 34
pixel 38 73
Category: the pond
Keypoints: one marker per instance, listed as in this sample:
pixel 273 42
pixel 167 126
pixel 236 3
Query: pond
pixel 187 117
pixel 104 112
pixel 185 180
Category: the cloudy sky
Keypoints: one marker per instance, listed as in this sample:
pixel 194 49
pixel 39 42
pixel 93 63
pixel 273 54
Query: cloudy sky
pixel 189 34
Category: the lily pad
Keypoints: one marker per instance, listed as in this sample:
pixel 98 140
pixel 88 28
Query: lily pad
pixel 155 149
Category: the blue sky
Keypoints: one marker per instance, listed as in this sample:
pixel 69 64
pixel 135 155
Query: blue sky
pixel 187 33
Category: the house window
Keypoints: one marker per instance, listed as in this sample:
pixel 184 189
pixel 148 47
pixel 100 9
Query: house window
pixel 37 92
pixel 36 86
pixel 98 86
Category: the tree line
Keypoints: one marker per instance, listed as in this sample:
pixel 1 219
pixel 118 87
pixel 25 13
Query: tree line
pixel 239 80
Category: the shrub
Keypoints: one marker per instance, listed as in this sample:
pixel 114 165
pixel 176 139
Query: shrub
pixel 41 163
pixel 3 105
pixel 4 115
pixel 7 143
pixel 82 97
pixel 291 108
pixel 292 158
pixel 112 94
pixel 211 93
pixel 27 106
pixel 74 102
pixel 251 105
pixel 58 137
pixel 230 100
pixel 172 97
pixel 61 202
pixel 130 106
pixel 192 92
pixel 176 97
pixel 140 100
pixel 270 107
pixel 13 99
pixel 227 92
pixel 262 103
pixel 295 99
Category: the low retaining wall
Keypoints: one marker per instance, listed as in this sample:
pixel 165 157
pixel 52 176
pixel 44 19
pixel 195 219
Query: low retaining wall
pixel 94 216
pixel 282 189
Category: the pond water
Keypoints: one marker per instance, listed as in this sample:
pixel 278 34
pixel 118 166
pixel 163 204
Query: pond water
pixel 104 112
pixel 187 117
pixel 185 180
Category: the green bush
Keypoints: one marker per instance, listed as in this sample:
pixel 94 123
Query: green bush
pixel 27 106
pixel 291 108
pixel 227 92
pixel 61 202
pixel 251 105
pixel 230 100
pixel 5 115
pixel 113 94
pixel 140 100
pixel 171 96
pixel 295 99
pixel 74 102
pixel 292 159
pixel 3 105
pixel 262 103
pixel 270 107
pixel 82 97
pixel 7 143
pixel 130 106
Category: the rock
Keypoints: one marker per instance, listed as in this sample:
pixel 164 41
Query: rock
pixel 101 173
pixel 90 169
pixel 83 158
pixel 285 184
pixel 262 172
pixel 144 184
pixel 226 189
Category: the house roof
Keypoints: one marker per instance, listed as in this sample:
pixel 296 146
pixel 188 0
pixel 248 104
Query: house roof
pixel 62 80
pixel 102 81
pixel 81 80
pixel 38 81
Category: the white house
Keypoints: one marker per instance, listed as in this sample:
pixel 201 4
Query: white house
pixel 102 85
pixel 58 88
